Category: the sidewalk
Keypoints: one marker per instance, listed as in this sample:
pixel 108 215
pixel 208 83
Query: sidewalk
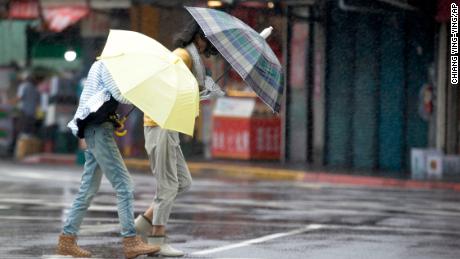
pixel 267 171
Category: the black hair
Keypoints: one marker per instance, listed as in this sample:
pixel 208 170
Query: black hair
pixel 187 35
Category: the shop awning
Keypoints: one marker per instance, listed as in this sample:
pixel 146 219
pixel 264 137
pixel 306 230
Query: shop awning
pixel 57 17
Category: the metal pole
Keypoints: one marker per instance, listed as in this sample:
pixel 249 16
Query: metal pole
pixel 310 85
pixel 286 96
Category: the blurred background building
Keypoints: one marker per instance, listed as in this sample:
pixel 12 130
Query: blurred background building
pixel 367 81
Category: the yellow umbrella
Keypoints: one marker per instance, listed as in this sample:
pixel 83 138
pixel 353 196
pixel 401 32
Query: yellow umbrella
pixel 153 78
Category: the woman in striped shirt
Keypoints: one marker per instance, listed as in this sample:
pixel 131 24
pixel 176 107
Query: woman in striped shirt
pixel 98 101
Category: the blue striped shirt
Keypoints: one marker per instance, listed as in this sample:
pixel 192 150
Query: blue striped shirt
pixel 99 86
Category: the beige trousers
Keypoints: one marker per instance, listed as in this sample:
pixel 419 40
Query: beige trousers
pixel 169 168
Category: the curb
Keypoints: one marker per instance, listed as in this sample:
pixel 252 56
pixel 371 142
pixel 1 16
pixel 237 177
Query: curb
pixel 262 173
pixel 371 181
pixel 197 168
pixel 50 158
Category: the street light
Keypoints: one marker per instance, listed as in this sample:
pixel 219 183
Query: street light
pixel 70 55
pixel 214 3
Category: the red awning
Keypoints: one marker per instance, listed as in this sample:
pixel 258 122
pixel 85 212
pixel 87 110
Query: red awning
pixel 57 17
pixel 60 17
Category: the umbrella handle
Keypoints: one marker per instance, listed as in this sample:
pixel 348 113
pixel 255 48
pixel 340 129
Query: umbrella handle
pixel 121 131
pixel 223 73
pixel 132 109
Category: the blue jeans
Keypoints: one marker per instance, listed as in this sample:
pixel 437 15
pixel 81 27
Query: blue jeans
pixel 103 152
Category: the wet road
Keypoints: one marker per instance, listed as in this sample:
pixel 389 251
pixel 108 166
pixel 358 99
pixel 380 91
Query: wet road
pixel 225 218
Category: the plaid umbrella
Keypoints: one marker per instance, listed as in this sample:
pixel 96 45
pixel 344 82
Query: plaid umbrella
pixel 246 51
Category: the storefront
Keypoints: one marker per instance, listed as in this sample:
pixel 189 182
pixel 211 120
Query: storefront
pixel 53 35
pixel 379 58
pixel 448 95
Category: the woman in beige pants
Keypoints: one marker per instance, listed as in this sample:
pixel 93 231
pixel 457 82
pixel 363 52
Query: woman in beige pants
pixel 166 159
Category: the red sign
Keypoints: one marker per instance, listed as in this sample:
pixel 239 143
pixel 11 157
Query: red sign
pixel 23 9
pixel 230 138
pixel 246 138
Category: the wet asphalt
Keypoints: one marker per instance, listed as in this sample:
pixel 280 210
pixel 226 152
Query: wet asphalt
pixel 235 218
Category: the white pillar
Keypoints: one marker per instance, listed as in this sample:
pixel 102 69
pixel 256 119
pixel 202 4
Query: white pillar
pixel 441 92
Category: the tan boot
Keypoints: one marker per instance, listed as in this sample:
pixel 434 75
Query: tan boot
pixel 68 246
pixel 134 246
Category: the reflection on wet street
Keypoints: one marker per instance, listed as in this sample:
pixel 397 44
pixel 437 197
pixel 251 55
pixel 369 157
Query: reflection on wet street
pixel 228 218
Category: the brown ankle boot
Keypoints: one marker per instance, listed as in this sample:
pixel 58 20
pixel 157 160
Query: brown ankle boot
pixel 68 246
pixel 134 246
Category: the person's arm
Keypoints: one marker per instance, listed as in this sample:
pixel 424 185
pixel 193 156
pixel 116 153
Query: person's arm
pixel 109 83
pixel 210 87
pixel 15 100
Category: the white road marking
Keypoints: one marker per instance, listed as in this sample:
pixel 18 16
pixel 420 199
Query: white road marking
pixel 313 227
pixel 310 227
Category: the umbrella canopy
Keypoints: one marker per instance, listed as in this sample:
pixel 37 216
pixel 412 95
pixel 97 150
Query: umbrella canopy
pixel 153 78
pixel 246 51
